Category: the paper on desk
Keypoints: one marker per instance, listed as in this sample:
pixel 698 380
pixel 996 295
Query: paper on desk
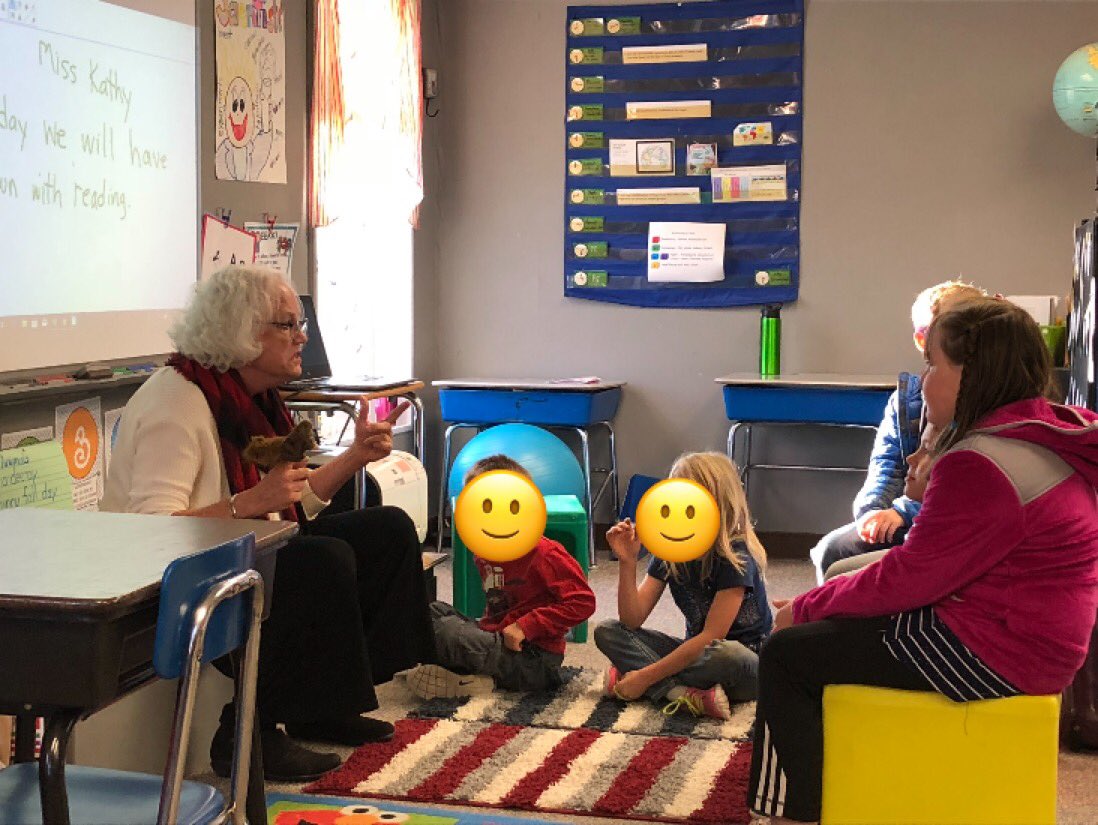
pixel 35 476
pixel 583 379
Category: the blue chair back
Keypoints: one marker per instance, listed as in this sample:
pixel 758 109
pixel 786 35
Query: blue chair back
pixel 638 486
pixel 185 582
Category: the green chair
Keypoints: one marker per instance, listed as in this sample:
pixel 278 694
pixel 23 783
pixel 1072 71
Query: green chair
pixel 566 522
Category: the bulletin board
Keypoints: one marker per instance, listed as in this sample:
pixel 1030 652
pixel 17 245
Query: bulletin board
pixel 683 153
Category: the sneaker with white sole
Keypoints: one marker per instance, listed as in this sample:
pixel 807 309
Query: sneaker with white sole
pixel 436 682
pixel 711 702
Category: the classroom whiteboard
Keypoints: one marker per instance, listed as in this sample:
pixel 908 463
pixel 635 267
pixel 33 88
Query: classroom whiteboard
pixel 98 177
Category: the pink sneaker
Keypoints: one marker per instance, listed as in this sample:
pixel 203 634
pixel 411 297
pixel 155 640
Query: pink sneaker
pixel 610 683
pixel 711 702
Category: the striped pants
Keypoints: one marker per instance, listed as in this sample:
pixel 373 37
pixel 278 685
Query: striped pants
pixel 794 666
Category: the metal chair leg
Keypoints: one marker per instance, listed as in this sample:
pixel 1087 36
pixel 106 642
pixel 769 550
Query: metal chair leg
pixel 613 468
pixel 51 766
pixel 443 482
pixel 745 470
pixel 585 449
pixel 419 446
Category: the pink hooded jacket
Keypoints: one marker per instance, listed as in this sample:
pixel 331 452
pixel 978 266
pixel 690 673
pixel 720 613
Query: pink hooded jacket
pixel 1005 547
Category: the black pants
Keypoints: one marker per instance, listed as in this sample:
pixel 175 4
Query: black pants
pixel 349 610
pixel 794 666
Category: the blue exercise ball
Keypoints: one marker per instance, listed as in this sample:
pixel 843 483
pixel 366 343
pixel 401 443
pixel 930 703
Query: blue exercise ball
pixel 548 460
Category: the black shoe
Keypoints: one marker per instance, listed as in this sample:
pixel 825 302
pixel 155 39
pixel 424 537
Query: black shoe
pixel 283 759
pixel 353 731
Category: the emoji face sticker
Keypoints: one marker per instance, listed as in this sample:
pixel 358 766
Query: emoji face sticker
pixel 238 112
pixel 500 515
pixel 677 520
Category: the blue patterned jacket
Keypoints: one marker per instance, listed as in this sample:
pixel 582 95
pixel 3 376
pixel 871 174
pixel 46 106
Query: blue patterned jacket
pixel 897 438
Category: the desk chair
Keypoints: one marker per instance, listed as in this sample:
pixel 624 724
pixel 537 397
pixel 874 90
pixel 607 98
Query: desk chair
pixel 204 614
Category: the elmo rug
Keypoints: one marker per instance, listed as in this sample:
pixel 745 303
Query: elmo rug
pixel 663 778
pixel 291 809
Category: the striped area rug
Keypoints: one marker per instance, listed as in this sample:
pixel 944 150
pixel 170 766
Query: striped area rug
pixel 580 703
pixel 555 770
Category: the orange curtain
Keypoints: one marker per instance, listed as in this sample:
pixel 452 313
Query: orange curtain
pixel 407 16
pixel 328 114
pixel 367 118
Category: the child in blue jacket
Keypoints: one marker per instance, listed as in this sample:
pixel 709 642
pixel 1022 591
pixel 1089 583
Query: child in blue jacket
pixel 882 514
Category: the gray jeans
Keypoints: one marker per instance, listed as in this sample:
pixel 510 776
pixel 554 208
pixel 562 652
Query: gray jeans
pixel 724 662
pixel 853 564
pixel 465 648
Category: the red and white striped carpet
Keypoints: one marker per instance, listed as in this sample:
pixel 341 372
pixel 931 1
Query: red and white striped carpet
pixel 581 771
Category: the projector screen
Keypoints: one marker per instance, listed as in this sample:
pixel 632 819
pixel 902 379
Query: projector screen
pixel 98 178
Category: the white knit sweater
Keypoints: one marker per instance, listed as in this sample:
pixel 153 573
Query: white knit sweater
pixel 167 457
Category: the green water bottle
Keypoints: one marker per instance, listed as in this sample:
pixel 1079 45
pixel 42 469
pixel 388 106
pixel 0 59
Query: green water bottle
pixel 770 340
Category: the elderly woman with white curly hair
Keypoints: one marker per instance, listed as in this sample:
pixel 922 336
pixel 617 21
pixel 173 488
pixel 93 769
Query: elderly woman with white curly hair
pixel 349 607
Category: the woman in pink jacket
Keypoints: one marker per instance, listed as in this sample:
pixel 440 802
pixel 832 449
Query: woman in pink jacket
pixel 994 591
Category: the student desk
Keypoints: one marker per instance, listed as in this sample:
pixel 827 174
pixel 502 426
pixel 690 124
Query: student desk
pixel 327 400
pixel 78 605
pixel 570 405
pixel 826 399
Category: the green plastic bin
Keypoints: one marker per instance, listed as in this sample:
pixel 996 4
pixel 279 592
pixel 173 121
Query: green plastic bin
pixel 566 522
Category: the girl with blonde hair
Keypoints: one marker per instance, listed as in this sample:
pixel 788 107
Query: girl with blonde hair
pixel 721 594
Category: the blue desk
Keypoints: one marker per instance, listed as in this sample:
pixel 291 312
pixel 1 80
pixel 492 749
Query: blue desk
pixel 569 405
pixel 821 399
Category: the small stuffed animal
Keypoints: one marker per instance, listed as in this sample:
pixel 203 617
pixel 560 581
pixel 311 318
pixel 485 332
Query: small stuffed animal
pixel 265 452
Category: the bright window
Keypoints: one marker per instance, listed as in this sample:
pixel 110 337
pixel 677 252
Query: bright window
pixel 364 255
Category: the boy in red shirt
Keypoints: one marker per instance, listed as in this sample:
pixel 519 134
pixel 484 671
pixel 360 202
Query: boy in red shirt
pixel 530 604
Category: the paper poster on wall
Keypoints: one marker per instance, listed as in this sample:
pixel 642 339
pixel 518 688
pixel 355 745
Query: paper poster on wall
pixel 685 252
pixel 275 244
pixel 250 111
pixel 224 245
pixel 748 183
pixel 79 425
pixel 36 475
pixel 24 438
pixel 111 421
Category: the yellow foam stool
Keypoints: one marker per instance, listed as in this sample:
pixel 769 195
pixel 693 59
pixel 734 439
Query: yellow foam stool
pixel 898 757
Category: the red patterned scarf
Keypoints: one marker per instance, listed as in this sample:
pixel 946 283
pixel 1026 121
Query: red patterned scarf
pixel 239 416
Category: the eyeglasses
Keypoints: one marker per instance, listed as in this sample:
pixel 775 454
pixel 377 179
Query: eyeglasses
pixel 301 326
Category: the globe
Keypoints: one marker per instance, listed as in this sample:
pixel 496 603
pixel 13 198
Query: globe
pixel 1075 90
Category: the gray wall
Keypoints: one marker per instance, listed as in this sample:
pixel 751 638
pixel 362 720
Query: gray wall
pixel 931 149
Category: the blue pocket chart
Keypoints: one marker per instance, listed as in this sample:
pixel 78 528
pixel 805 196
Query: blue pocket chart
pixel 656 97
